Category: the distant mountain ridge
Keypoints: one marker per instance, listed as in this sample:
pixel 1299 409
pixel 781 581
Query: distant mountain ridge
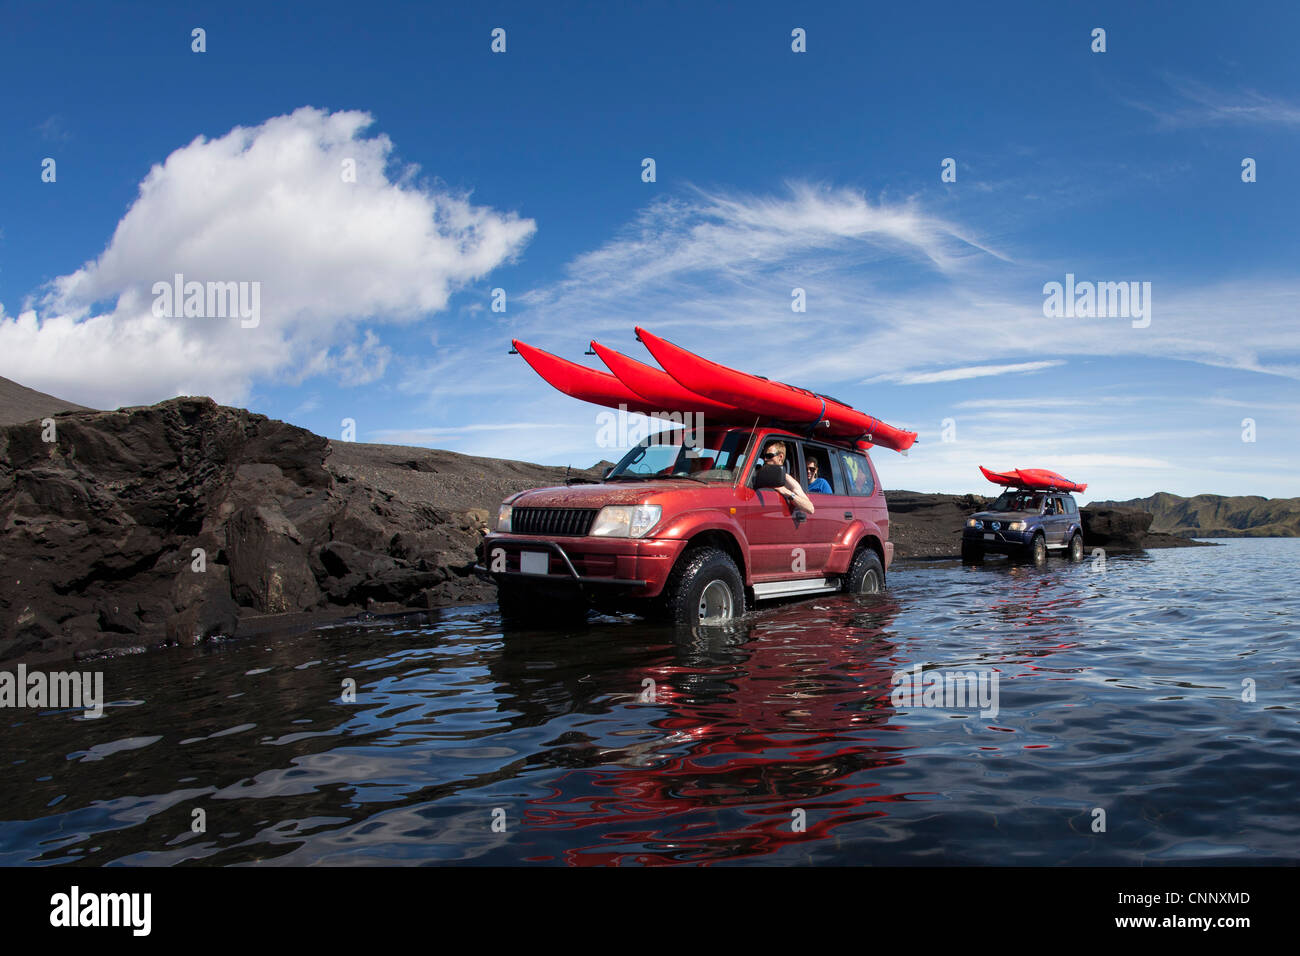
pixel 1218 516
pixel 18 403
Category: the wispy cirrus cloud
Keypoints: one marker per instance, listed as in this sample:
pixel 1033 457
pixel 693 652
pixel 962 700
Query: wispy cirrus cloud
pixel 1193 103
pixel 910 297
pixel 730 241
pixel 959 374
pixel 54 129
pixel 419 436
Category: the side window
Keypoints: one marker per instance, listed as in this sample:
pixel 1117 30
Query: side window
pixel 1071 507
pixel 857 474
pixel 818 471
pixel 765 447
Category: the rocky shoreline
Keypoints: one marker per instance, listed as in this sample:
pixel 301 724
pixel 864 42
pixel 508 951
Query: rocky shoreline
pixel 173 523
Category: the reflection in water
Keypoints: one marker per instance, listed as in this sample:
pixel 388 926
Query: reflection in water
pixel 766 728
pixel 773 741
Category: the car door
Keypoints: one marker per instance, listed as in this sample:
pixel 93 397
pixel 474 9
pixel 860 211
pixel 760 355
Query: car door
pixel 1071 517
pixel 833 511
pixel 864 500
pixel 781 537
pixel 1054 525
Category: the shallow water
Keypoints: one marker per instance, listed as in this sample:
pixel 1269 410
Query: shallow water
pixel 777 741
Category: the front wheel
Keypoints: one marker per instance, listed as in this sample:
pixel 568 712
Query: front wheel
pixel 1076 547
pixel 971 553
pixel 704 588
pixel 1038 549
pixel 866 574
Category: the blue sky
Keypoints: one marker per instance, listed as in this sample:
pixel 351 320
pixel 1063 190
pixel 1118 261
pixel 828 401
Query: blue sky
pixel 774 170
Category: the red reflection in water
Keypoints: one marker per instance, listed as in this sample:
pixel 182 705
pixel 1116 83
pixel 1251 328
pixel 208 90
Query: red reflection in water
pixel 761 726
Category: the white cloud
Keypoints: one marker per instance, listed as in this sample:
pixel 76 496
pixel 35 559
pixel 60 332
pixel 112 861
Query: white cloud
pixel 1109 461
pixel 726 241
pixel 959 374
pixel 903 295
pixel 1198 104
pixel 418 436
pixel 265 204
pixel 1048 401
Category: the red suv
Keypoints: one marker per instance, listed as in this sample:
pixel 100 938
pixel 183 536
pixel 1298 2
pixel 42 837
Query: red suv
pixel 691 527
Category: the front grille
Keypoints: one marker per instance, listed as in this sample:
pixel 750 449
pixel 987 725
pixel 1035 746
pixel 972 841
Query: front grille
pixel 564 522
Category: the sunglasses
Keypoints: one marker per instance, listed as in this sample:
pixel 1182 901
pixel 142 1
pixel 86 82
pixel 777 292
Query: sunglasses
pixel 770 454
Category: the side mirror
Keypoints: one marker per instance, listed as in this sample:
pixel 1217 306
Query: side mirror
pixel 770 476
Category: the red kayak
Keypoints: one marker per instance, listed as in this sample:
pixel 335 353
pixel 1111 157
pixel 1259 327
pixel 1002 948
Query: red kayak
pixel 658 387
pixel 760 396
pixel 578 381
pixel 1001 477
pixel 1035 479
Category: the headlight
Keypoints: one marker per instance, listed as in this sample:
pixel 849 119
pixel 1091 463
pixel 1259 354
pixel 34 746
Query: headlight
pixel 625 521
pixel 503 517
pixel 973 523
pixel 1016 526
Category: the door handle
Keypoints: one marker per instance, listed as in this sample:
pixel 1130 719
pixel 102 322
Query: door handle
pixel 799 516
pixel 848 516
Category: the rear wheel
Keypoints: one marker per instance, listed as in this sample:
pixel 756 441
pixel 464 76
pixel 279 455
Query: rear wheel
pixel 1076 547
pixel 1038 549
pixel 971 553
pixel 866 574
pixel 704 588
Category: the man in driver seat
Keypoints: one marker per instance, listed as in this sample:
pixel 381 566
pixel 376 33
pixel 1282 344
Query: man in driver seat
pixel 774 454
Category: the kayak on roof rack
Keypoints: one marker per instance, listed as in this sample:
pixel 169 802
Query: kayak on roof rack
pixel 688 383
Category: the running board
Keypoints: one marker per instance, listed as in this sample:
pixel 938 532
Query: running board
pixel 779 589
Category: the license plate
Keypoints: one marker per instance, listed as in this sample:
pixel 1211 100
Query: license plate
pixel 990 537
pixel 534 562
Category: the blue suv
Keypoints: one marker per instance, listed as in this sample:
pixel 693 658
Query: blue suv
pixel 1026 523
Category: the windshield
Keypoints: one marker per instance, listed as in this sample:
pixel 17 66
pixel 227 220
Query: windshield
pixel 1017 501
pixel 713 458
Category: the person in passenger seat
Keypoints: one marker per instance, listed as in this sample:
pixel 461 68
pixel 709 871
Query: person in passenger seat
pixel 816 483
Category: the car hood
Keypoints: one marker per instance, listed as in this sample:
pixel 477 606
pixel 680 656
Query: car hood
pixel 597 496
pixel 1005 515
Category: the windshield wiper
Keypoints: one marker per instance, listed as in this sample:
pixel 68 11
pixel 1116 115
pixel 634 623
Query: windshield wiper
pixel 654 477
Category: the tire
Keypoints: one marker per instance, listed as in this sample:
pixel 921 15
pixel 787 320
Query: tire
pixel 971 553
pixel 525 607
pixel 866 574
pixel 705 587
pixel 1038 549
pixel 1076 547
